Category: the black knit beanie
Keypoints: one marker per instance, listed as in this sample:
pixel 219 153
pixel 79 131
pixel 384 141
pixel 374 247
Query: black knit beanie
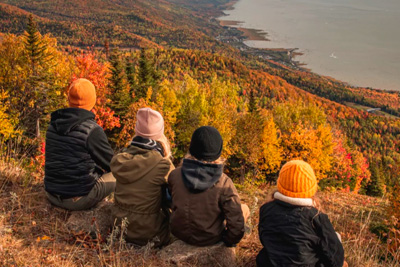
pixel 206 144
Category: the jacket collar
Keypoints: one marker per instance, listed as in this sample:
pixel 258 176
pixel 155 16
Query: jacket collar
pixel 305 202
pixel 64 120
pixel 148 144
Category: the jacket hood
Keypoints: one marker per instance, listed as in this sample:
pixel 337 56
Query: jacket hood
pixel 64 120
pixel 199 176
pixel 134 163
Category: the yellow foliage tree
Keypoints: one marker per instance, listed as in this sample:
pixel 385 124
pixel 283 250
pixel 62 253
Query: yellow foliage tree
pixel 258 144
pixel 34 94
pixel 7 125
pixel 223 101
pixel 305 135
pixel 271 151
pixel 190 116
pixel 169 104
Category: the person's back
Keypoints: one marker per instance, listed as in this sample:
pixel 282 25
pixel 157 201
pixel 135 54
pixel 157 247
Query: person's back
pixel 292 231
pixel 203 197
pixel 70 171
pixel 198 218
pixel 77 153
pixel 141 171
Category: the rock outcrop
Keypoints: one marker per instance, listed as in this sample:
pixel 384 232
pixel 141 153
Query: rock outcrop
pixel 95 220
pixel 182 254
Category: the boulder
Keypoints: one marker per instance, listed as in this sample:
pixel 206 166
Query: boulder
pixel 95 220
pixel 183 254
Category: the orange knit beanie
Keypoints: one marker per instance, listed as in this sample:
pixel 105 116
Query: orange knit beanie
pixel 297 179
pixel 82 94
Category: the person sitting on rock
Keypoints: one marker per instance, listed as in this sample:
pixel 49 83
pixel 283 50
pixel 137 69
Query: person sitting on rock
pixel 78 155
pixel 292 230
pixel 141 171
pixel 206 207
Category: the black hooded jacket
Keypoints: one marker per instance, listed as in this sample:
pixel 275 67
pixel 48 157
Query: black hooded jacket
pixel 77 153
pixel 297 236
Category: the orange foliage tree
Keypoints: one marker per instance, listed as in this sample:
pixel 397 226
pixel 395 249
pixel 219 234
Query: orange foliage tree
pixel 349 170
pixel 90 68
pixel 305 135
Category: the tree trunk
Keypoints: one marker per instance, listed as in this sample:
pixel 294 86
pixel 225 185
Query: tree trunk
pixel 242 173
pixel 37 127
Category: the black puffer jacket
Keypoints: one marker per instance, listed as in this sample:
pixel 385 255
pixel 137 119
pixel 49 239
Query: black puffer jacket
pixel 297 236
pixel 77 153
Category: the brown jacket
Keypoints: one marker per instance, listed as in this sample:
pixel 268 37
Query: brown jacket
pixel 205 205
pixel 141 179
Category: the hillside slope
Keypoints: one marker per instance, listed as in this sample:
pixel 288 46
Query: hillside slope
pixel 122 23
pixel 34 233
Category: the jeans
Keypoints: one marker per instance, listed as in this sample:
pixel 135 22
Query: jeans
pixel 104 186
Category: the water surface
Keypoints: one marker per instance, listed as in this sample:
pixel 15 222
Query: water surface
pixel 356 41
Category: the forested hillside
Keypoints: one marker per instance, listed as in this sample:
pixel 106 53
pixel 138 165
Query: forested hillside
pixel 165 55
pixel 125 24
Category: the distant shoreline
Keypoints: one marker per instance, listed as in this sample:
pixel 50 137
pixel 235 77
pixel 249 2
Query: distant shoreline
pixel 312 63
pixel 280 55
pixel 250 34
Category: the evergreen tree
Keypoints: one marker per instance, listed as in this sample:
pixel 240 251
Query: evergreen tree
pixel 147 76
pixel 375 187
pixel 107 48
pixel 35 92
pixel 34 45
pixel 117 79
pixel 130 76
pixel 120 97
pixel 252 102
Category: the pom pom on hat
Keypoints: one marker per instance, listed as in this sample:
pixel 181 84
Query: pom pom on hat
pixel 82 94
pixel 297 179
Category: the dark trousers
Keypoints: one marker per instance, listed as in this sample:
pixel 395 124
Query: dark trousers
pixel 104 186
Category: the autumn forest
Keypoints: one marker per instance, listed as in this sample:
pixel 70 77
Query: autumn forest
pixel 164 54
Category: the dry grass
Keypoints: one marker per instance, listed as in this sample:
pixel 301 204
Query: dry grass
pixel 352 216
pixel 33 233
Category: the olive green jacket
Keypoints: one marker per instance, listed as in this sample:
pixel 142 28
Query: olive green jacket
pixel 141 180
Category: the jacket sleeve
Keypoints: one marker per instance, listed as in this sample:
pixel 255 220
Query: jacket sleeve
pixel 99 148
pixel 166 196
pixel 332 253
pixel 230 203
pixel 171 167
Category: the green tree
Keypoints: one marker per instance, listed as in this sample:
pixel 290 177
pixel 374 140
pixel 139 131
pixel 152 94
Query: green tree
pixel 147 76
pixel 376 185
pixel 38 63
pixel 130 71
pixel 34 76
pixel 119 93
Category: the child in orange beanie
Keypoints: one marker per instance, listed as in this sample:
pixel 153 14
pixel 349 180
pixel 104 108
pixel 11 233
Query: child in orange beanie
pixel 292 231
pixel 77 166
